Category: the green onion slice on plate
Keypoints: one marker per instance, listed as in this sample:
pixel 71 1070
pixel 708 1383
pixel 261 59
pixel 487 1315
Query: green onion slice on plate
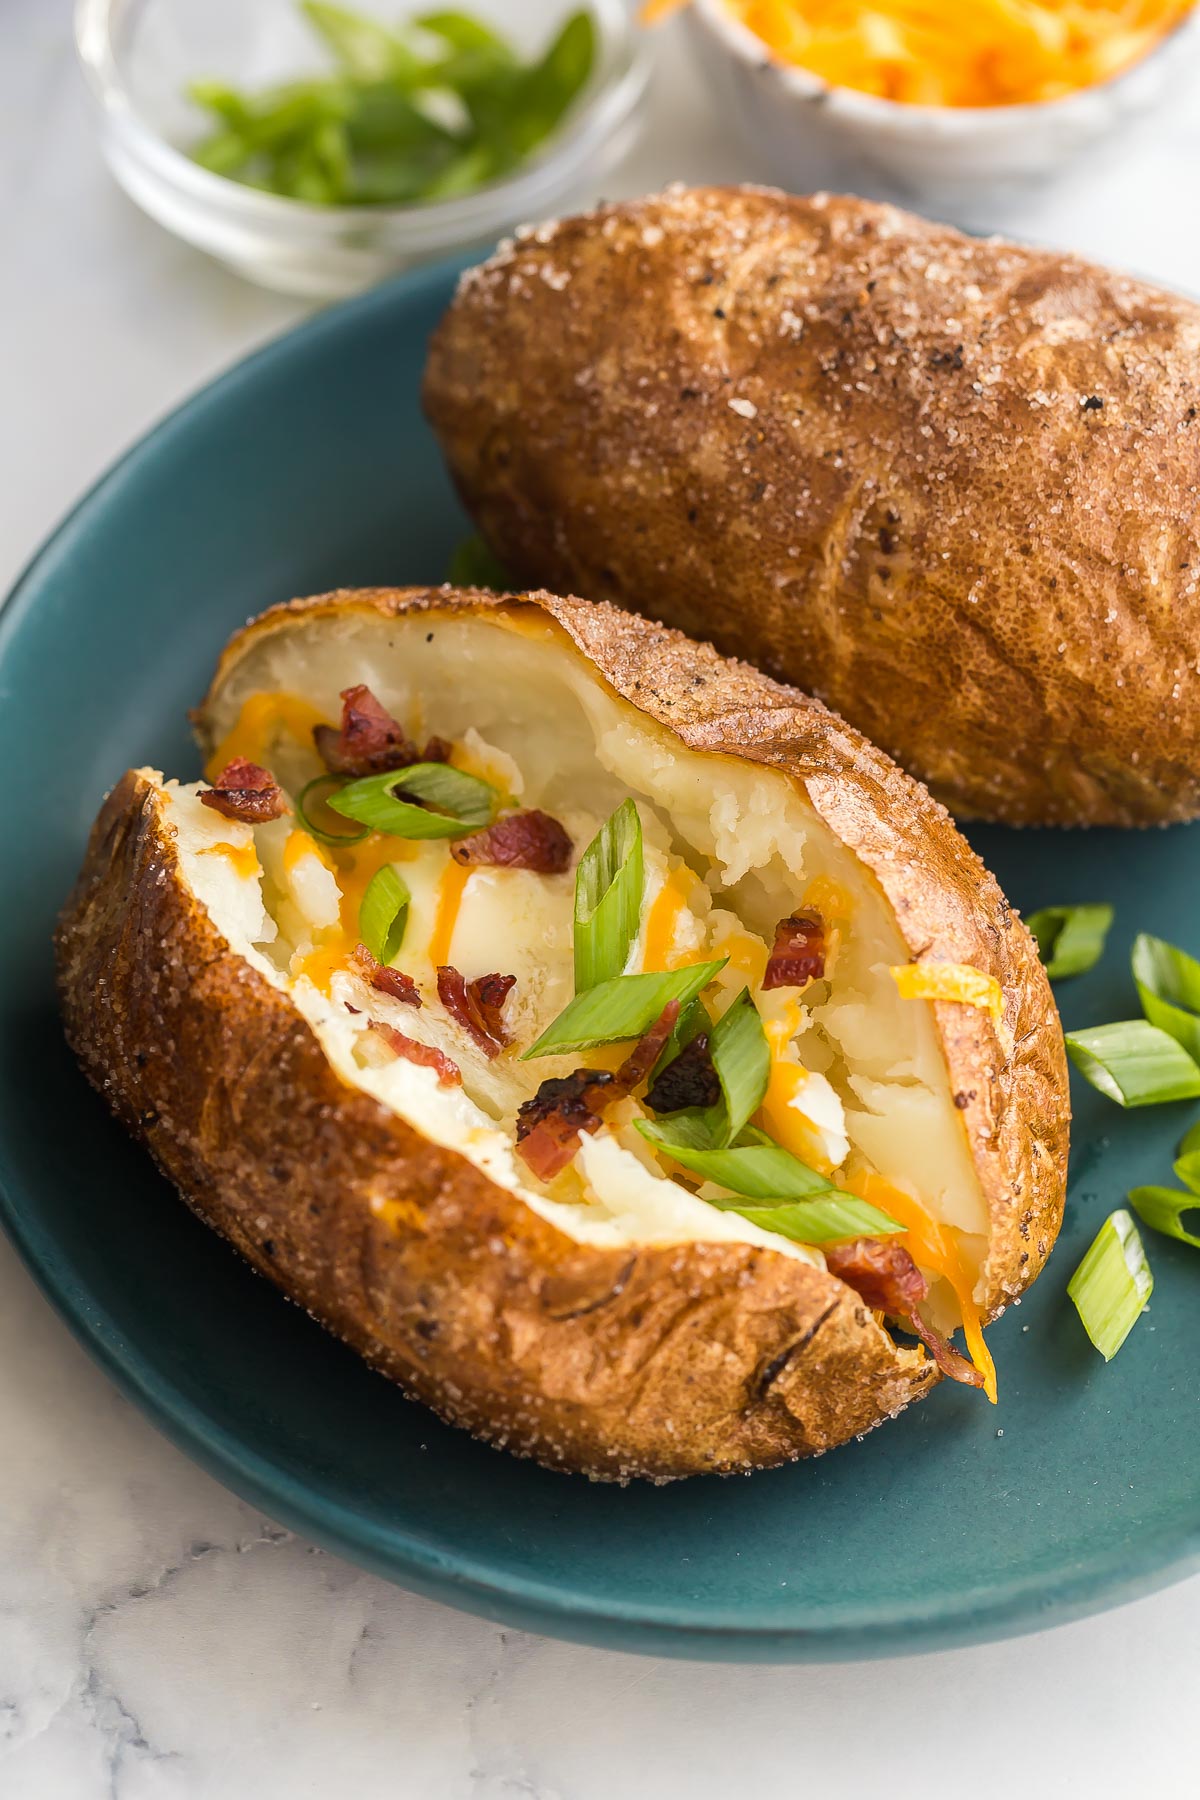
pixel 1187 1163
pixel 1134 1063
pixel 608 898
pixel 623 1007
pixel 473 565
pixel 428 800
pixel 1168 984
pixel 1112 1284
pixel 313 804
pixel 383 914
pixel 1164 1209
pixel 1070 939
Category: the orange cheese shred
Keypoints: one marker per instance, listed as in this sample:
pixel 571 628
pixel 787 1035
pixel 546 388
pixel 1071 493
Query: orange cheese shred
pixel 951 53
pixel 353 867
pixel 950 981
pixel 262 720
pixel 244 857
pixel 662 922
pixel 449 898
pixel 934 1248
pixel 780 1114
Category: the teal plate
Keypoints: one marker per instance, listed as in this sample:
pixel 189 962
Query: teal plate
pixel 308 467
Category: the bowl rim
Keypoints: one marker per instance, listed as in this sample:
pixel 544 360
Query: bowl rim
pixel 613 90
pixel 873 109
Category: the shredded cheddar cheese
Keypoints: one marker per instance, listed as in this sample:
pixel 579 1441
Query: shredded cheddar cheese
pixel 950 981
pixel 935 1249
pixel 262 720
pixel 782 1114
pixel 956 52
pixel 662 921
pixel 244 857
pixel 449 899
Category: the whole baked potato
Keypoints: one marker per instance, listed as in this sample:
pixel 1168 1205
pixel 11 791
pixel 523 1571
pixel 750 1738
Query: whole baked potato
pixel 950 486
pixel 601 1038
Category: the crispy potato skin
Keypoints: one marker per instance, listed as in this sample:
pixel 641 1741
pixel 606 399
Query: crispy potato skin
pixel 647 1362
pixel 950 486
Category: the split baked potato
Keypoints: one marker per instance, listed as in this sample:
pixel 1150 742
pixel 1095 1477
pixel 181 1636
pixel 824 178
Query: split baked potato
pixel 951 486
pixel 445 829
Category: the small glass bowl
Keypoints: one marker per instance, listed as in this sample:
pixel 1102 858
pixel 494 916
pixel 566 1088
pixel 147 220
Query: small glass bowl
pixel 958 160
pixel 139 56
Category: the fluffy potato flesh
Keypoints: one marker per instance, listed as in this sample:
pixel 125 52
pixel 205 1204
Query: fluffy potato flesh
pixel 859 1083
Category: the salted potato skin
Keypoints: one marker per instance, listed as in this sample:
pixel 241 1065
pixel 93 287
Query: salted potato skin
pixel 656 1362
pixel 951 486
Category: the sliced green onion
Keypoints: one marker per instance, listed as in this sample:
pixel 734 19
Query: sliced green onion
pixel 309 798
pixel 1163 1209
pixel 473 565
pixel 623 1007
pixel 1168 984
pixel 742 1059
pixel 418 111
pixel 456 802
pixel 1187 1163
pixel 1070 939
pixel 1112 1284
pixel 754 1166
pixel 1190 1143
pixel 835 1218
pixel 366 50
pixel 1187 1170
pixel 608 898
pixel 1134 1063
pixel 383 914
pixel 692 1020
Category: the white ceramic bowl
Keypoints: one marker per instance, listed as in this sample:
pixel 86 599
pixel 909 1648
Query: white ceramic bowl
pixel 812 135
pixel 139 55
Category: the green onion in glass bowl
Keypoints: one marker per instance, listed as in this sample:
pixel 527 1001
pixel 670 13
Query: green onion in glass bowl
pixel 345 214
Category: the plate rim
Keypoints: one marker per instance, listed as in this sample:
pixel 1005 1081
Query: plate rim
pixel 1125 1573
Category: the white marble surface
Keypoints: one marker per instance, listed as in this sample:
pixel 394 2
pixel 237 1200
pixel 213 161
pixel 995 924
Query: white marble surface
pixel 161 1641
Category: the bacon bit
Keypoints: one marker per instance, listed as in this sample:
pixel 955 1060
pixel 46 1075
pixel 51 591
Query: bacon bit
pixel 690 1080
pixel 389 981
pixel 888 1279
pixel 799 953
pixel 245 791
pixel 523 840
pixel 426 1055
pixel 370 740
pixel 477 1005
pixel 646 1052
pixel 489 993
pixel 947 1359
pixel 437 750
pixel 549 1125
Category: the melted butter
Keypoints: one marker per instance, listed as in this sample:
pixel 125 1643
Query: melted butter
pixel 243 857
pixel 259 724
